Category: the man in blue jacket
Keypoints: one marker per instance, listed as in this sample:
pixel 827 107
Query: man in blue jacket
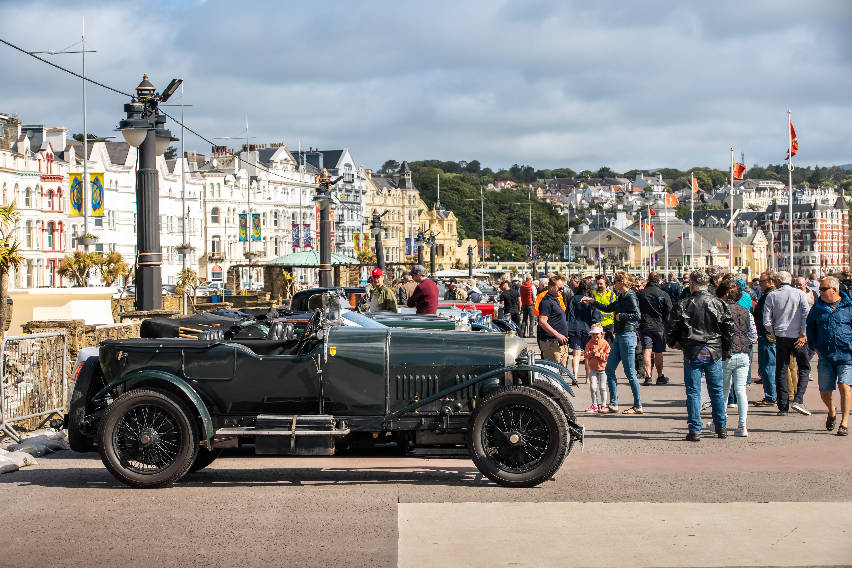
pixel 829 330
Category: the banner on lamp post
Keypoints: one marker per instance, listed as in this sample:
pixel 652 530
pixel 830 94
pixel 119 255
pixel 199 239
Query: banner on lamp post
pixel 243 217
pixel 255 226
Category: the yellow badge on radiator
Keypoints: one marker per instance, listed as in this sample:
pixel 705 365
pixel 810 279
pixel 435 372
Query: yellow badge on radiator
pixel 332 351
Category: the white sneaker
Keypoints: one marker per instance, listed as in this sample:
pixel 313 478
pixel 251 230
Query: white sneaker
pixel 741 433
pixel 800 408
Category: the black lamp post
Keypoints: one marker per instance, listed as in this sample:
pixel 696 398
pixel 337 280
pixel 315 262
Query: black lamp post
pixel 420 240
pixel 144 128
pixel 433 254
pixel 376 230
pixel 323 201
pixel 470 261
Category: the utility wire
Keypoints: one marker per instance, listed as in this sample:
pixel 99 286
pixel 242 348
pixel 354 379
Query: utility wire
pixel 120 92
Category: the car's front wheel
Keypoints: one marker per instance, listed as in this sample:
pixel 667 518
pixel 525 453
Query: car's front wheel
pixel 147 438
pixel 518 437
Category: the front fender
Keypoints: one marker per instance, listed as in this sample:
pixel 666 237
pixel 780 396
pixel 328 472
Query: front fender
pixel 152 377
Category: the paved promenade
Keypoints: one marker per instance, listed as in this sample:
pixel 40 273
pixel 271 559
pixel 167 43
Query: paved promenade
pixel 637 495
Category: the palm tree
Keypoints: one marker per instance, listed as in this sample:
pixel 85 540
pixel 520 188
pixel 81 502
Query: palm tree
pixel 76 267
pixel 111 267
pixel 10 257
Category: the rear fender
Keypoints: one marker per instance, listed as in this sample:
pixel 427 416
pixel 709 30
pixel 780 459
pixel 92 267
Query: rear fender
pixel 153 378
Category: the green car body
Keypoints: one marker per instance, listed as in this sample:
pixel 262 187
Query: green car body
pixel 366 380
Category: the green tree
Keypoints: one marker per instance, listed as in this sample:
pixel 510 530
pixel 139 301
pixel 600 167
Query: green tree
pixel 187 283
pixel 79 137
pixel 170 153
pixel 111 266
pixel 389 167
pixel 10 256
pixel 76 267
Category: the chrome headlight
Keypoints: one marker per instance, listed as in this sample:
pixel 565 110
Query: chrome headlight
pixel 514 347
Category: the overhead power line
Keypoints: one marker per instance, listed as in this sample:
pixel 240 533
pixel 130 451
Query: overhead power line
pixel 120 92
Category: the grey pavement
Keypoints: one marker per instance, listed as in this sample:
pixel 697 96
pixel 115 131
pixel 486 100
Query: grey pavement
pixel 348 510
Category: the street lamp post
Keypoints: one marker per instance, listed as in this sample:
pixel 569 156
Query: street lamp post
pixel 470 261
pixel 144 128
pixel 376 230
pixel 433 254
pixel 323 201
pixel 420 241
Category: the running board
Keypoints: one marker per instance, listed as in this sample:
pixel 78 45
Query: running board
pixel 289 426
pixel 248 431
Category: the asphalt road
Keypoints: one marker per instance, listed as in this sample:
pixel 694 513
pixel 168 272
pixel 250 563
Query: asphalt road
pixel 345 511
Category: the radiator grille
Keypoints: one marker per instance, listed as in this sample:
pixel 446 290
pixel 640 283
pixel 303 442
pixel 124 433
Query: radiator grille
pixel 467 392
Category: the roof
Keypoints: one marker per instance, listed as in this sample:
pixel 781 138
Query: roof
pixel 311 259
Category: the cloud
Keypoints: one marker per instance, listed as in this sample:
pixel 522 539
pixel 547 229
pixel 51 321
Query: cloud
pixel 550 84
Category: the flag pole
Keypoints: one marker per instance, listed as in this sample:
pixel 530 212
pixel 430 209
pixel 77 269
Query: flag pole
pixel 692 220
pixel 650 242
pixel 666 232
pixel 731 241
pixel 790 184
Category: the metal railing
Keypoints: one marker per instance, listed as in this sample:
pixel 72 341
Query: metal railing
pixel 33 380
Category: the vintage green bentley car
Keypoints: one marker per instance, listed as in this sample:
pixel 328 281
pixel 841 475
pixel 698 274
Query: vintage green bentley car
pixel 157 409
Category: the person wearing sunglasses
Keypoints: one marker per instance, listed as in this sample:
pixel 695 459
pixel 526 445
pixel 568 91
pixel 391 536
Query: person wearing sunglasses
pixel 829 330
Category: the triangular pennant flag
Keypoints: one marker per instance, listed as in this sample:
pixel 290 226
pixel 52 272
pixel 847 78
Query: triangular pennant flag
pixel 671 200
pixel 694 183
pixel 739 170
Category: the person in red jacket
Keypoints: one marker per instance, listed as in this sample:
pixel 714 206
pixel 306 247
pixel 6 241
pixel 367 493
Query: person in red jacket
pixel 425 296
pixel 528 293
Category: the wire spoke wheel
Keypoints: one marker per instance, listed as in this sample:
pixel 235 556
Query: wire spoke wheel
pixel 147 439
pixel 518 436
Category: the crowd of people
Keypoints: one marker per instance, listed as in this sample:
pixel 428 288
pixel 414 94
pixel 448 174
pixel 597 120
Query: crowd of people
pixel 715 320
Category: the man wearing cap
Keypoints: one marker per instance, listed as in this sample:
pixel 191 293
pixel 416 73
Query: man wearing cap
pixel 425 295
pixel 380 298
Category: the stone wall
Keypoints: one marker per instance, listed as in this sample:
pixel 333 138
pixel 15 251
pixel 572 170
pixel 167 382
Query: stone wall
pixel 170 303
pixel 80 335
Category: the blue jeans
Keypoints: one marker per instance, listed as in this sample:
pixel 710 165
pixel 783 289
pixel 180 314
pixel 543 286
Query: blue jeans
pixel 623 351
pixel 712 373
pixel 830 373
pixel 766 367
pixel 735 371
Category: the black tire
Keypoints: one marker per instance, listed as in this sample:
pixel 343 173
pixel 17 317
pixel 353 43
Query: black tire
pixel 148 438
pixel 518 437
pixel 78 439
pixel 204 458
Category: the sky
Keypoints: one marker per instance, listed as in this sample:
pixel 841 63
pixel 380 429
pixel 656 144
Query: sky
pixel 551 84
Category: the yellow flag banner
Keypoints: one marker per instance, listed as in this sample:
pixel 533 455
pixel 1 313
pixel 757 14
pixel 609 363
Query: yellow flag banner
pixel 77 197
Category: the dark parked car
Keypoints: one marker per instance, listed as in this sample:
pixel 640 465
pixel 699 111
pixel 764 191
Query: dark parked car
pixel 157 409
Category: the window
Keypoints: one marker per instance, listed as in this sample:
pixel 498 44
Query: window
pixel 50 200
pixel 216 244
pixel 214 215
pixel 50 230
pixel 28 197
pixel 275 221
pixel 28 234
pixel 99 221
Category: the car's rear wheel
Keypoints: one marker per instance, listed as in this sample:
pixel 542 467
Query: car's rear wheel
pixel 518 437
pixel 148 438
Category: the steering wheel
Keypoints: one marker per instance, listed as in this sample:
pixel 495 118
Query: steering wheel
pixel 310 330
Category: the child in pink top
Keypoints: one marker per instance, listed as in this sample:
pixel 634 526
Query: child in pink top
pixel 597 352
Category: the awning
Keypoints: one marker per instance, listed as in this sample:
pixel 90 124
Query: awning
pixel 310 259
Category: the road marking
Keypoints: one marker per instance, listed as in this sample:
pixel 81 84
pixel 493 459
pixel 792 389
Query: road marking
pixel 624 534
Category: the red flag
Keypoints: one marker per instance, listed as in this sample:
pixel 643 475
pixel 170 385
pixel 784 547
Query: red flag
pixel 671 200
pixel 680 238
pixel 718 243
pixel 694 183
pixel 651 211
pixel 795 143
pixel 739 170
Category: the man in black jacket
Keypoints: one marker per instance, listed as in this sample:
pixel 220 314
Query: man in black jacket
pixel 655 306
pixel 701 326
